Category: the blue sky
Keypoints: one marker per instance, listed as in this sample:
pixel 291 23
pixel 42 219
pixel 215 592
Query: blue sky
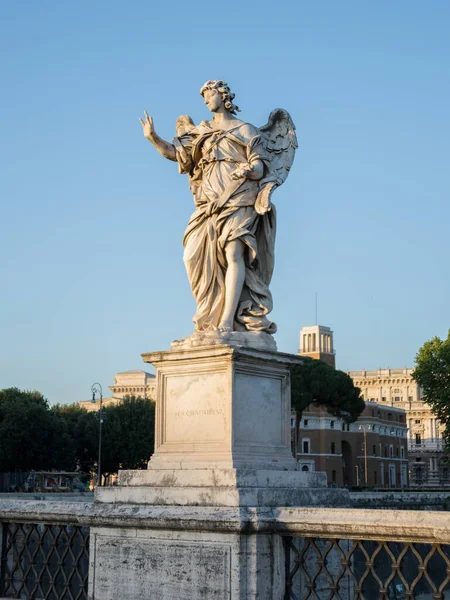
pixel 92 217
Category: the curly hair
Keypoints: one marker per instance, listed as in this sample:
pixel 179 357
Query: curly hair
pixel 224 91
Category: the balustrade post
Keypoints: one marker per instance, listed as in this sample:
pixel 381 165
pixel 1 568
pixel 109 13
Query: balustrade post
pixel 2 557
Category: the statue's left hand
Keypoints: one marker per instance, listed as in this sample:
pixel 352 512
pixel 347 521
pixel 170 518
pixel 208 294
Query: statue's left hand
pixel 242 171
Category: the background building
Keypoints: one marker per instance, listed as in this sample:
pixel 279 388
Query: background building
pixel 129 383
pixel 316 341
pixel 428 465
pixel 370 452
pixel 134 383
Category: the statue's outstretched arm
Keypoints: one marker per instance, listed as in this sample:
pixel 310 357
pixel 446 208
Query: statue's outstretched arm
pixel 165 148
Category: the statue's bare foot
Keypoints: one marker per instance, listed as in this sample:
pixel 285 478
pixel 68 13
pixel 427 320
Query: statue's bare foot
pixel 224 328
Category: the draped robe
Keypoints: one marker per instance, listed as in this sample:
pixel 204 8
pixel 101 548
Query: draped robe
pixel 225 211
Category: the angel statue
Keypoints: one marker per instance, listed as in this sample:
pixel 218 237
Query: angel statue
pixel 233 168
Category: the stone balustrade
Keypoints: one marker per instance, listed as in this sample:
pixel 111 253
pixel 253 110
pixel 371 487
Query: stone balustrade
pixel 356 553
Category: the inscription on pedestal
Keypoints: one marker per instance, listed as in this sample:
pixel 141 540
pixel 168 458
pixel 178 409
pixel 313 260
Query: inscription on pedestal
pixel 142 568
pixel 194 408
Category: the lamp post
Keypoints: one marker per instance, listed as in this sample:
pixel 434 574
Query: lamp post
pixel 365 428
pixel 97 389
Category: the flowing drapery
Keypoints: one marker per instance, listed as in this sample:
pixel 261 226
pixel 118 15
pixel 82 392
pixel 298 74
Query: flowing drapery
pixel 225 211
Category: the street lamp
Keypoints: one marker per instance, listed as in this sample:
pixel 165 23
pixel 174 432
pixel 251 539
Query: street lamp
pixel 97 389
pixel 365 428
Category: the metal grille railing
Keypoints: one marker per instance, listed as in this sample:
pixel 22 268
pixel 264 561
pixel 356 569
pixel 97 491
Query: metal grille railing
pixel 338 569
pixel 48 562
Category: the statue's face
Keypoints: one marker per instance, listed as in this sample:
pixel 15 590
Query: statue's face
pixel 213 100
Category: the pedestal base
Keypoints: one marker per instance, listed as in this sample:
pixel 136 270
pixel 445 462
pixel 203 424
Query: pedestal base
pixel 223 487
pixel 258 340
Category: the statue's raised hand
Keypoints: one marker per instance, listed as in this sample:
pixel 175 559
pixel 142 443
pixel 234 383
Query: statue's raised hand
pixel 148 126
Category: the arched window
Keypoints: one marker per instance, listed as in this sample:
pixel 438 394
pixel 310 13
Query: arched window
pixel 305 468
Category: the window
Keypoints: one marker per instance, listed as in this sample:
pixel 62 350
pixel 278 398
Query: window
pixel 375 474
pixel 332 424
pixel 389 416
pixel 397 451
pixel 343 426
pixel 305 468
pixel 410 398
pixel 402 452
pixel 417 421
pixel 374 451
pixel 333 448
pixel 385 450
pixel 418 438
pixel 305 422
pixel 391 451
pixel 445 473
pixel 305 446
pixel 397 398
pixel 348 427
pixel 383 398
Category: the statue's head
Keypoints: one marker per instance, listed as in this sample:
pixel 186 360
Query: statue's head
pixel 221 89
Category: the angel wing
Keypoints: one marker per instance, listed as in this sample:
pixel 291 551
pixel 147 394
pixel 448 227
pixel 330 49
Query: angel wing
pixel 281 144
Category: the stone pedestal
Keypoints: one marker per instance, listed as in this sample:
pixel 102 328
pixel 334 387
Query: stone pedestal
pixel 223 435
pixel 222 452
pixel 222 407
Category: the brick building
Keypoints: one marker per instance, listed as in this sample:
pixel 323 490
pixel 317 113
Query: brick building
pixel 371 452
pixel 378 440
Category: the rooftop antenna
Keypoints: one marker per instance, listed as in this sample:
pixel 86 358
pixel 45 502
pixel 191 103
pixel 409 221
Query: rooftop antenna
pixel 316 308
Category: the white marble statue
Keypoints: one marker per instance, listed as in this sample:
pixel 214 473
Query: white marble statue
pixel 233 167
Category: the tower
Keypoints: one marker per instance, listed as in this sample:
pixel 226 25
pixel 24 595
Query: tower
pixel 316 341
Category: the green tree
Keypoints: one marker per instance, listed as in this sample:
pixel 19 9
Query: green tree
pixel 128 434
pixel 79 437
pixel 432 373
pixel 137 416
pixel 30 435
pixel 316 381
pixel 34 436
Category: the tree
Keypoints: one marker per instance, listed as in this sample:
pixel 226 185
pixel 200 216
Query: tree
pixel 30 435
pixel 316 381
pixel 128 434
pixel 80 437
pixel 432 373
pixel 34 436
